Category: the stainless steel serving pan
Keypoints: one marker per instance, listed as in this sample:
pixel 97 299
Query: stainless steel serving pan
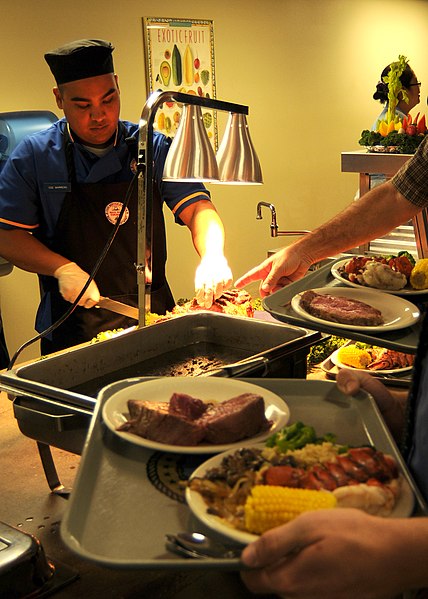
pixel 54 397
pixel 76 376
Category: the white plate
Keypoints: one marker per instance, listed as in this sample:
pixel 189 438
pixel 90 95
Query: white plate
pixel 407 290
pixel 198 507
pixel 335 359
pixel 397 312
pixel 115 409
pixel 403 508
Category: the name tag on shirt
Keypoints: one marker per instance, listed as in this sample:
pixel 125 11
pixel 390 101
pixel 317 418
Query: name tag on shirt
pixel 58 187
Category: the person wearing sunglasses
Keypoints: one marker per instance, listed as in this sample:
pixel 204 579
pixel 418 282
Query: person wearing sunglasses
pixel 346 553
pixel 408 98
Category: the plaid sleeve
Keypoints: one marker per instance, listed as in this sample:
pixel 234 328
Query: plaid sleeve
pixel 412 178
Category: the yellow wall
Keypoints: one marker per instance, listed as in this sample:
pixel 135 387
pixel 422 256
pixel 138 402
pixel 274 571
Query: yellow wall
pixel 306 69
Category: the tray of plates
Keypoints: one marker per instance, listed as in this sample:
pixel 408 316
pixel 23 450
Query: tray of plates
pixel 128 496
pixel 402 313
pixel 391 378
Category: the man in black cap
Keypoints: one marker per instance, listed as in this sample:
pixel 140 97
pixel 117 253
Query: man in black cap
pixel 61 193
pixel 80 60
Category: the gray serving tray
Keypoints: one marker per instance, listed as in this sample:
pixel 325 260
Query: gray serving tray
pixel 117 518
pixel 278 305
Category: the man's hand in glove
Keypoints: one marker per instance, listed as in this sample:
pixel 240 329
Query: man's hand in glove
pixel 213 277
pixel 71 280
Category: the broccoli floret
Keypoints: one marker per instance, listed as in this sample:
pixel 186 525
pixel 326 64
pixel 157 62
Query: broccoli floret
pixel 370 138
pixel 296 436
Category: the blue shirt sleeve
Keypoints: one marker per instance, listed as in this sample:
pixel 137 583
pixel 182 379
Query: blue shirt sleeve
pixel 177 196
pixel 35 179
pixel 33 182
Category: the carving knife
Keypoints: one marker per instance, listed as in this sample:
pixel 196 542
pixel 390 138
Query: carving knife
pixel 118 307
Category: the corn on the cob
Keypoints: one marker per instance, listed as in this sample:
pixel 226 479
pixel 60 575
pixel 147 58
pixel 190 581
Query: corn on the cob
pixel 419 274
pixel 269 506
pixel 354 356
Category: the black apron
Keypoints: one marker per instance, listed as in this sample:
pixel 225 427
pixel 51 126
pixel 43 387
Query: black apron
pixel 85 223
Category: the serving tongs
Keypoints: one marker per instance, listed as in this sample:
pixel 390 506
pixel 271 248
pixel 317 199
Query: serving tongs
pixel 199 546
pixel 238 369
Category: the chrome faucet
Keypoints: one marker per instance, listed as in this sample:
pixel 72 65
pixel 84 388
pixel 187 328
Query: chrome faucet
pixel 274 225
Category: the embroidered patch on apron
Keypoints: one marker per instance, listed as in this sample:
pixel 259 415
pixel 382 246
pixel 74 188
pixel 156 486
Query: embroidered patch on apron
pixel 112 212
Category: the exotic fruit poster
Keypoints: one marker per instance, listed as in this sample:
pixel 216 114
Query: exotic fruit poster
pixel 179 56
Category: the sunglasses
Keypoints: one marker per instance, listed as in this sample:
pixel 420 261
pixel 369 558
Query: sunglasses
pixel 417 83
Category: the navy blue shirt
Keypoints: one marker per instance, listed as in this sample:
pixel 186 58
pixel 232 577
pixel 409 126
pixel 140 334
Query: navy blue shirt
pixel 35 178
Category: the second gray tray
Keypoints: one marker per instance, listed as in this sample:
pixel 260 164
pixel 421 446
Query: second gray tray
pixel 278 305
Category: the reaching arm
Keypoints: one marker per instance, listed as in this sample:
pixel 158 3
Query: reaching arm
pixel 213 274
pixel 375 214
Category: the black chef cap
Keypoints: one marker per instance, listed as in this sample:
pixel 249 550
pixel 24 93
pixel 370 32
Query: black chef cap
pixel 80 59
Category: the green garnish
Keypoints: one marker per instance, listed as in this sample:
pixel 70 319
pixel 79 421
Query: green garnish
pixel 296 436
pixel 322 350
pixel 395 86
pixel 405 144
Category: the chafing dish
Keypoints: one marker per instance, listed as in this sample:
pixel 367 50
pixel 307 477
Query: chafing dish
pixel 54 397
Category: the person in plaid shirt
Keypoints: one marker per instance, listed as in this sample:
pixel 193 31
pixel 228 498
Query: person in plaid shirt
pixel 347 553
pixel 376 213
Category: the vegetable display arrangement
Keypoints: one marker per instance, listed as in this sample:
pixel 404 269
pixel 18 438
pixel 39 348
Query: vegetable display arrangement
pixel 395 135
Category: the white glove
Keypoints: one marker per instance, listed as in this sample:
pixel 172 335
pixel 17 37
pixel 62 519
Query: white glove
pixel 213 276
pixel 71 280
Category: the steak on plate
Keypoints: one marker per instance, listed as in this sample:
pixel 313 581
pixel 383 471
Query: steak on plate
pixel 340 309
pixel 185 420
pixel 239 417
pixel 154 421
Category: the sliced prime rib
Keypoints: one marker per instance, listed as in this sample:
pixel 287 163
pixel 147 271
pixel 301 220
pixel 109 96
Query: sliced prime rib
pixel 187 406
pixel 233 302
pixel 235 419
pixel 340 309
pixel 155 422
pixel 184 421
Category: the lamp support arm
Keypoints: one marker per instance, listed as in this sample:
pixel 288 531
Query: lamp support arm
pixel 145 182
